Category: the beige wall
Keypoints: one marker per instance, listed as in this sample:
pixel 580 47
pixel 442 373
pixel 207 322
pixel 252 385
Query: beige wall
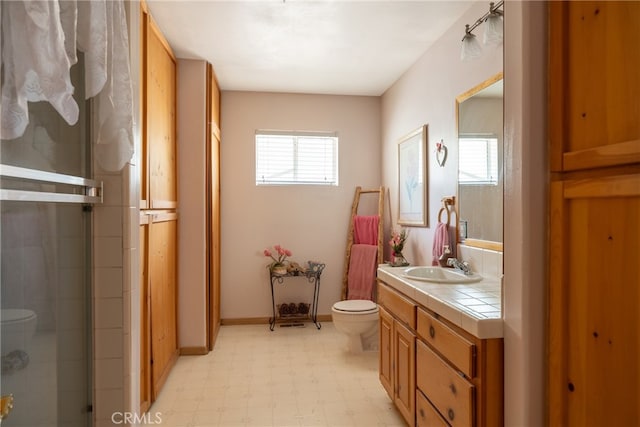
pixel 525 215
pixel 426 93
pixel 192 259
pixel 311 221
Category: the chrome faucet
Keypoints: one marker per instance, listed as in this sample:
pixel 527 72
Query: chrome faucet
pixel 460 265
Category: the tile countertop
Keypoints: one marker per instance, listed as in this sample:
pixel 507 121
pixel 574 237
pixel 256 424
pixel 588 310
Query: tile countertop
pixel 475 307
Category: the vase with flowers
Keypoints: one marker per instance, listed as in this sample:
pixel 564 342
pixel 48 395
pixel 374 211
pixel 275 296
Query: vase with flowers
pixel 278 256
pixel 397 245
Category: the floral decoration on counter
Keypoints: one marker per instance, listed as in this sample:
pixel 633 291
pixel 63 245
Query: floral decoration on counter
pixel 397 242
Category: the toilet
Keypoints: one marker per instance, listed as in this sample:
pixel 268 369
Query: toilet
pixel 358 319
pixel 17 327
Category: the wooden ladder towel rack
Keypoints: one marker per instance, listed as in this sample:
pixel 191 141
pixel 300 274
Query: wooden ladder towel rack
pixel 354 212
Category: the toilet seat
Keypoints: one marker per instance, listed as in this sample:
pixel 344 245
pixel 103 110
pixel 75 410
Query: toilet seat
pixel 11 315
pixel 359 306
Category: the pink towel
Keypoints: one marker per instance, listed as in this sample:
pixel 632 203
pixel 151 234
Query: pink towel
pixel 440 240
pixel 365 229
pixel 362 272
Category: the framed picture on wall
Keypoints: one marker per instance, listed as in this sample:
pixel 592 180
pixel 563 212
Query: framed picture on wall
pixel 412 179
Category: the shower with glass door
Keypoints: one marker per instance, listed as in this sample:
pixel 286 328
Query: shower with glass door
pixel 46 201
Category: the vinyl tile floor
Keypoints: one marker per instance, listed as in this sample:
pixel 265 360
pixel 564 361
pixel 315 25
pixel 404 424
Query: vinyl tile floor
pixel 293 376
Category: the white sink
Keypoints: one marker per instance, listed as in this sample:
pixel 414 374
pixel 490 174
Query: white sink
pixel 440 275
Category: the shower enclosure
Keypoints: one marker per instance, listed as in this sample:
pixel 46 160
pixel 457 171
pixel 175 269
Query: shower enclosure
pixel 46 201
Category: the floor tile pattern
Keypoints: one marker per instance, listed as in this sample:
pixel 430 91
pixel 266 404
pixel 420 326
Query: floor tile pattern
pixel 293 376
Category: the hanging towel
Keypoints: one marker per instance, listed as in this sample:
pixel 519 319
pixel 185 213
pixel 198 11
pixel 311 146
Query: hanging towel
pixel 362 271
pixel 365 229
pixel 440 240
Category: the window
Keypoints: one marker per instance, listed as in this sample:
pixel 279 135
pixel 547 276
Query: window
pixel 478 161
pixel 296 158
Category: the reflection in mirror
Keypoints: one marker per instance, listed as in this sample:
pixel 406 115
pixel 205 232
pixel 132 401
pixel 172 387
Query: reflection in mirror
pixel 480 175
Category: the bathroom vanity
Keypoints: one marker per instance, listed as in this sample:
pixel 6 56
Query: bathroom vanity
pixel 441 349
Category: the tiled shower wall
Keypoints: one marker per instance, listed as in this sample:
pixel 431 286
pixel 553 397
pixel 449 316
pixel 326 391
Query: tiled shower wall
pixel 115 259
pixel 116 300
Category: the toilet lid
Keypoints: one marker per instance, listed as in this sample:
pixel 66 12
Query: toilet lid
pixel 356 305
pixel 15 314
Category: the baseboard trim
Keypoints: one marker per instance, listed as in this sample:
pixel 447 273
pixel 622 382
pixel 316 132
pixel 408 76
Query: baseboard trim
pixel 193 351
pixel 245 321
pixel 263 320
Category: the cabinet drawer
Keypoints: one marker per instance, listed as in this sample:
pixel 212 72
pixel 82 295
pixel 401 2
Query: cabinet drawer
pixel 426 414
pixel 402 308
pixel 445 340
pixel 450 393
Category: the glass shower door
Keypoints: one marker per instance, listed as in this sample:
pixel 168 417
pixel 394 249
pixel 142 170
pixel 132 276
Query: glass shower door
pixel 45 269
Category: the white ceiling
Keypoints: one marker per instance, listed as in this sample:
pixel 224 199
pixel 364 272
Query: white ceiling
pixel 331 47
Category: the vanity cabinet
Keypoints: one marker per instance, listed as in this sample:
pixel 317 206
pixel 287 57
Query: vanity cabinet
pixel 455 378
pixel 397 350
pixel 445 365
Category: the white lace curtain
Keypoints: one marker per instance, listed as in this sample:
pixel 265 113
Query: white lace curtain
pixel 39 39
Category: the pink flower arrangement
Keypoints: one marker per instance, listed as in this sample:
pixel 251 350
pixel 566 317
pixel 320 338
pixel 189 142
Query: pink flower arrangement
pixel 279 252
pixel 397 241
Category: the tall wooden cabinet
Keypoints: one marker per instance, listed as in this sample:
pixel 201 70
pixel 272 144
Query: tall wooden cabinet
pixel 593 373
pixel 158 225
pixel 213 193
pixel 199 199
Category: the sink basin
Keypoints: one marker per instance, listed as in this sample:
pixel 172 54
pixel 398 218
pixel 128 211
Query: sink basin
pixel 440 275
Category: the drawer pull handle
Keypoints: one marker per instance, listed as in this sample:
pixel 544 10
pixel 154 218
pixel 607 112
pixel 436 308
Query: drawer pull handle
pixel 432 332
pixel 451 414
pixel 452 387
pixel 421 412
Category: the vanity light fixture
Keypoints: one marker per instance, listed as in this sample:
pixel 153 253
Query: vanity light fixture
pixel 493 32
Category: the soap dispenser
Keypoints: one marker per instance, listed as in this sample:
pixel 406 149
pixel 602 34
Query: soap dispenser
pixel 446 254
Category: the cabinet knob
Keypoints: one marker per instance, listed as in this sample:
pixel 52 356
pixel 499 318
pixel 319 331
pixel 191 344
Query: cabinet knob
pixel 452 387
pixel 432 331
pixel 421 412
pixel 451 414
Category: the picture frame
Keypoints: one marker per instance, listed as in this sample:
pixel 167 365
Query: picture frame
pixel 412 179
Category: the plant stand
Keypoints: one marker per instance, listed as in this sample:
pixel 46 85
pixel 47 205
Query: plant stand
pixel 280 314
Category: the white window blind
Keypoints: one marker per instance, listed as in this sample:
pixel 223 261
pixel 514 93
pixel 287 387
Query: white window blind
pixel 478 161
pixel 296 158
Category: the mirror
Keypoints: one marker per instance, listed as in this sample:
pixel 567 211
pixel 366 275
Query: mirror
pixel 480 175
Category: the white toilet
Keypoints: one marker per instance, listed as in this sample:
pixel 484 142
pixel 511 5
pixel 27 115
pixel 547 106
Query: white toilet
pixel 358 319
pixel 17 327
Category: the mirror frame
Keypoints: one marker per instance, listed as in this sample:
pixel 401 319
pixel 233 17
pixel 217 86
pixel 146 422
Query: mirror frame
pixel 478 243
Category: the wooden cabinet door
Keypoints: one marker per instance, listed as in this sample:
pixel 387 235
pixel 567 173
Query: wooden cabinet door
pixel 594 84
pixel 386 351
pixel 594 362
pixel 594 285
pixel 145 341
pixel 213 171
pixel 160 119
pixel 163 293
pixel 214 240
pixel 404 352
